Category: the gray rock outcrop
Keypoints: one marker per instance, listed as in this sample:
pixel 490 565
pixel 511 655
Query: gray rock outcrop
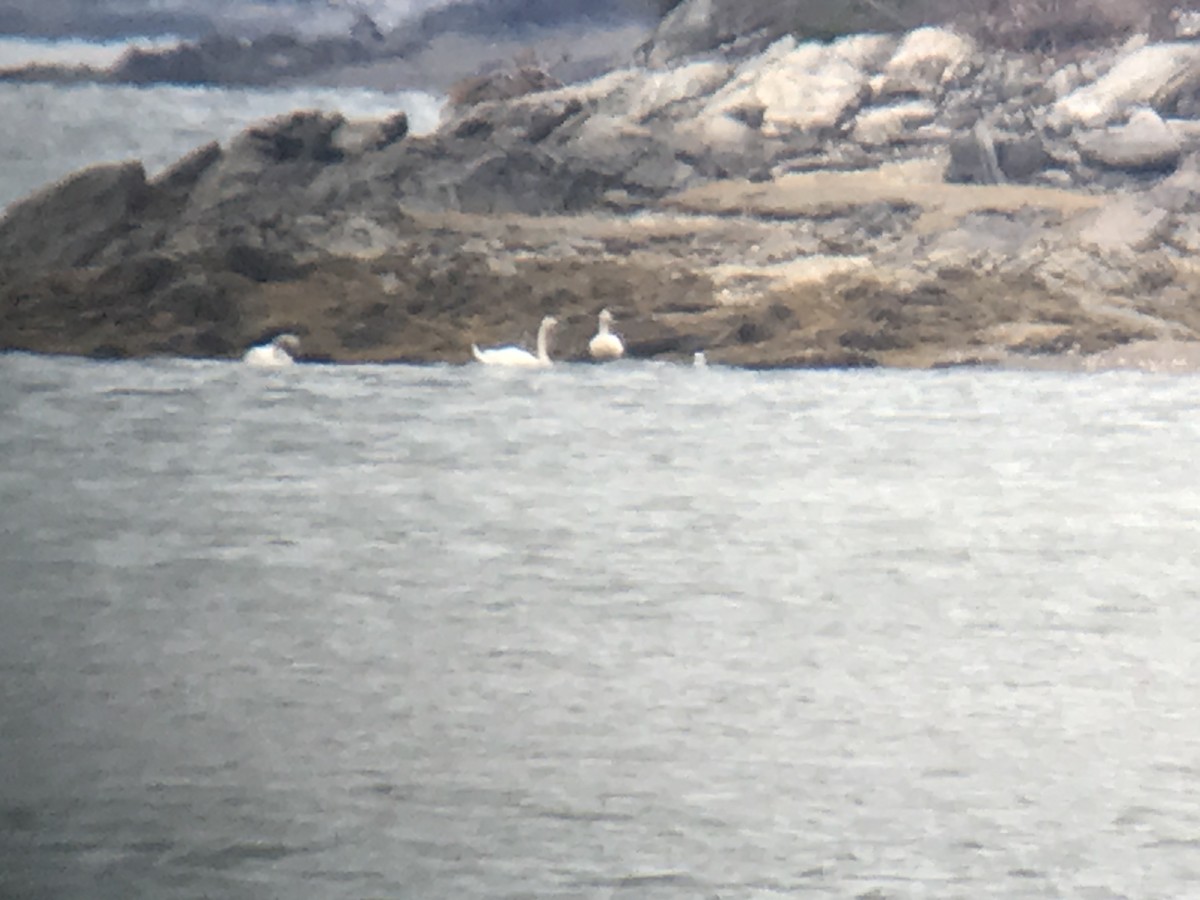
pixel 907 199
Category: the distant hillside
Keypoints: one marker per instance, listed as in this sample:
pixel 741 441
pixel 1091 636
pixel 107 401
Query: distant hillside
pixel 123 18
pixel 489 16
pixel 197 18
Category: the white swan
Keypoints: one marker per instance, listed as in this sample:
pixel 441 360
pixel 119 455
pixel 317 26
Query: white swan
pixel 515 356
pixel 606 345
pixel 699 360
pixel 274 355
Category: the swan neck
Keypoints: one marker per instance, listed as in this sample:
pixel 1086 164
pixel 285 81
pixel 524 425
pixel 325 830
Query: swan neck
pixel 542 350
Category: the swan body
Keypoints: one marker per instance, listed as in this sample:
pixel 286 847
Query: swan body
pixel 606 345
pixel 275 355
pixel 516 357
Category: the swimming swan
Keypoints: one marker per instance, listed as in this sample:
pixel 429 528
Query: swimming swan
pixel 274 355
pixel 606 345
pixel 515 356
pixel 699 360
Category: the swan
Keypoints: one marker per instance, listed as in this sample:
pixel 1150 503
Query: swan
pixel 275 355
pixel 606 345
pixel 699 360
pixel 515 356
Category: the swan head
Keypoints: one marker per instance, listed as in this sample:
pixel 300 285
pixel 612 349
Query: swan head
pixel 606 317
pixel 288 342
pixel 549 322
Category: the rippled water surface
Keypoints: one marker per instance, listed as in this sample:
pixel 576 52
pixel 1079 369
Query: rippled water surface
pixel 52 131
pixel 624 631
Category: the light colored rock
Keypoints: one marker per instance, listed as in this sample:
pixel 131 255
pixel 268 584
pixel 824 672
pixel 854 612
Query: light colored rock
pixel 661 89
pixel 1124 224
pixel 886 124
pixel 1146 142
pixel 867 51
pixel 717 132
pixel 1065 80
pixel 1186 23
pixel 807 88
pixel 1187 131
pixel 1148 76
pixel 925 59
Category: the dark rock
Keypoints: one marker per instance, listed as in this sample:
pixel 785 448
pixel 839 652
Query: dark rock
pixel 1017 159
pixel 225 59
pixel 300 136
pixel 545 122
pixel 67 224
pixel 527 181
pixel 501 85
pixel 183 175
pixel 1022 158
pixel 261 265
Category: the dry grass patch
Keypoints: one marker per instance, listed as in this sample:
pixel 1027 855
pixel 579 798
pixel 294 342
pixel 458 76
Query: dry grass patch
pixel 914 186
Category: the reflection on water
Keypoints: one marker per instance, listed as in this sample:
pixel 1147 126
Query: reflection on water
pixel 631 630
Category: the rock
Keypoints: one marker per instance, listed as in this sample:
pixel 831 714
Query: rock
pixel 183 175
pixel 299 136
pixel 762 208
pixel 1145 143
pixel 1125 224
pixel 887 124
pixel 659 91
pixel 982 158
pixel 809 88
pixel 67 224
pixel 1022 157
pixel 926 59
pixel 1148 76
pixel 230 60
pixel 501 85
pixel 355 138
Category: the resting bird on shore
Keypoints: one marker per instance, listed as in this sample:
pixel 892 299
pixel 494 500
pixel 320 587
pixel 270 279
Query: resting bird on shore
pixel 699 360
pixel 274 355
pixel 517 357
pixel 605 345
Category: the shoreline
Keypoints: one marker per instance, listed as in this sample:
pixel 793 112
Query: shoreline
pixel 855 203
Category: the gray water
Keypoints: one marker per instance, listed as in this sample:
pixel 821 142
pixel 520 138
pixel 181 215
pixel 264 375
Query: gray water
pixel 52 131
pixel 623 631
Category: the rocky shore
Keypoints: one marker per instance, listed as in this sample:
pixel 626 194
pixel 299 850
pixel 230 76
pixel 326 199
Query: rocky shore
pixel 895 200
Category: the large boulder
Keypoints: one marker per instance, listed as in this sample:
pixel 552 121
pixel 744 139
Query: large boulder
pixel 1152 75
pixel 808 88
pixel 926 60
pixel 883 125
pixel 68 224
pixel 1145 143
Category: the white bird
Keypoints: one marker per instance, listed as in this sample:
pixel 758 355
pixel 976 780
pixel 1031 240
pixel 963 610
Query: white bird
pixel 606 345
pixel 275 355
pixel 516 356
pixel 699 360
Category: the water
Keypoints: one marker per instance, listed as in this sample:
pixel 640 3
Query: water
pixel 623 631
pixel 54 130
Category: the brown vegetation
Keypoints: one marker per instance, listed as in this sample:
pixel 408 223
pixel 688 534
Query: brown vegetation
pixel 1027 25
